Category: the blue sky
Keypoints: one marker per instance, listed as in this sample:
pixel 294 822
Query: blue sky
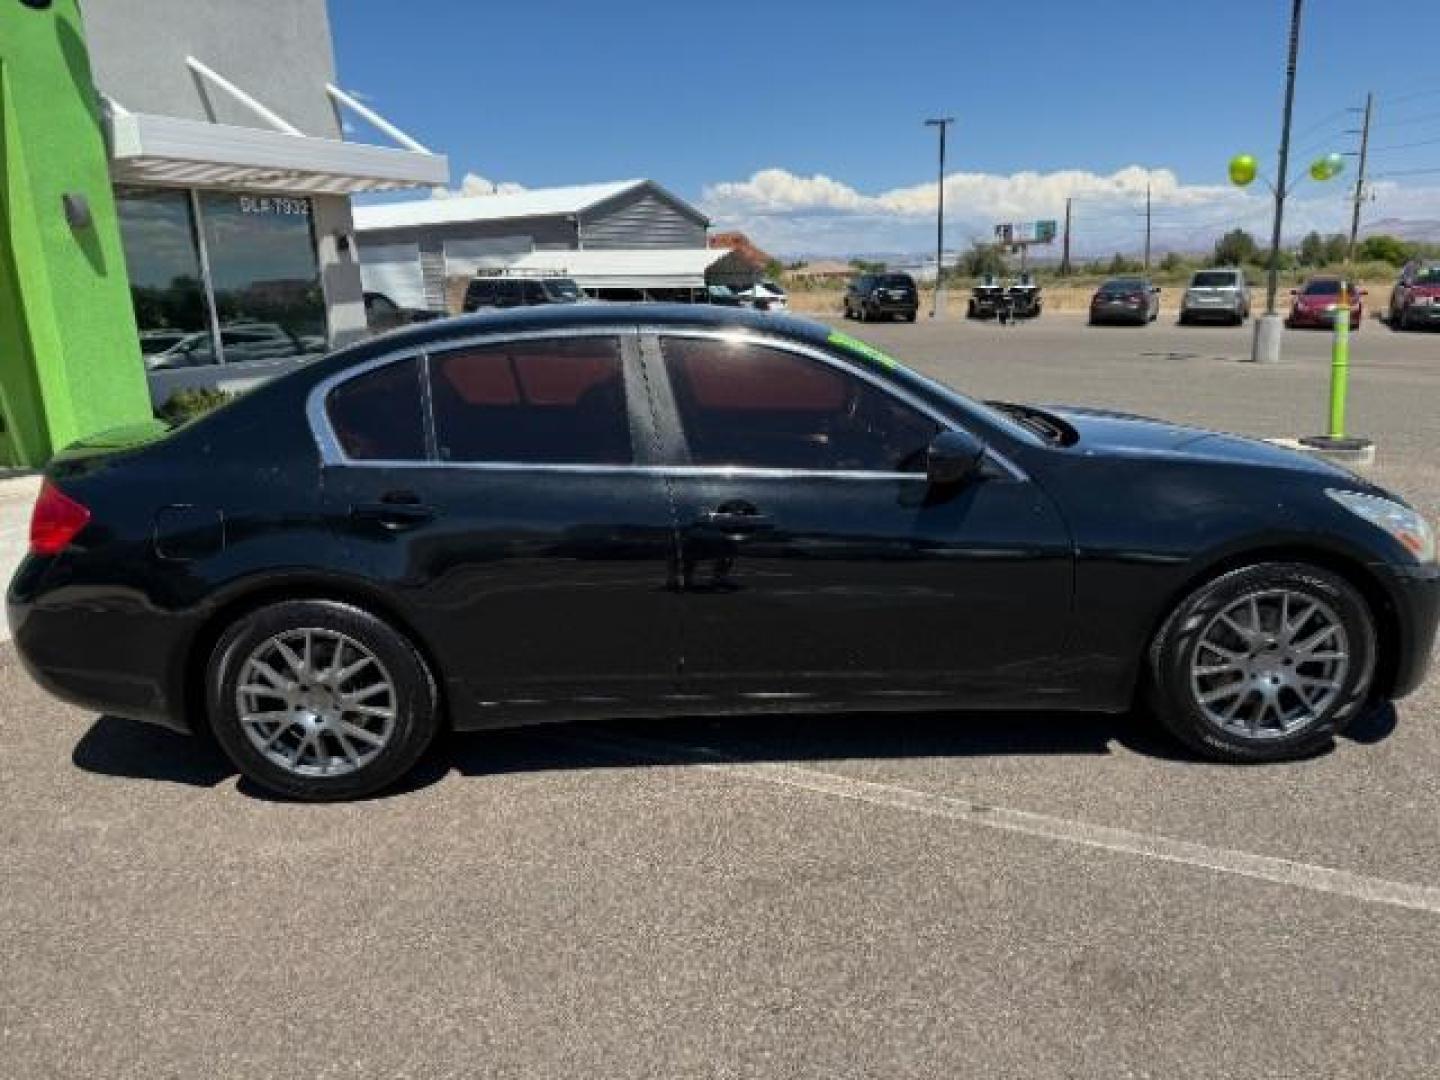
pixel 801 121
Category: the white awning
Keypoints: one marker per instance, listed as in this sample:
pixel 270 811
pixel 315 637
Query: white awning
pixel 151 149
pixel 641 268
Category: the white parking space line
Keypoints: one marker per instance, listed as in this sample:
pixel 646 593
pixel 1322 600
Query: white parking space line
pixel 1164 849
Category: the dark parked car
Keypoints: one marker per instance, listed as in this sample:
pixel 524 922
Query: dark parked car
pixel 1315 302
pixel 882 296
pixel 1415 300
pixel 511 292
pixel 1127 299
pixel 382 313
pixel 592 510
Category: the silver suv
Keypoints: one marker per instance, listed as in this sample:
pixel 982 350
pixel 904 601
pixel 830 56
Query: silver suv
pixel 1216 294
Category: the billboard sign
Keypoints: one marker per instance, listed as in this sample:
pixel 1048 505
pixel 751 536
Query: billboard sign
pixel 1025 232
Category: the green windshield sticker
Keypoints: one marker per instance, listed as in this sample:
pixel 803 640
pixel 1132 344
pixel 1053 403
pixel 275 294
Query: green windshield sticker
pixel 860 348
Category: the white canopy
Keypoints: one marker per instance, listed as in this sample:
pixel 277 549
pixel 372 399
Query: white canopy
pixel 193 153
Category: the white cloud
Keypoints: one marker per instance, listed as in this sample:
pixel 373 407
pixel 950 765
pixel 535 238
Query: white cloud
pixel 475 184
pixel 791 213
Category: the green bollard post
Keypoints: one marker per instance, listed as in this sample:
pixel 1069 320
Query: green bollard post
pixel 1340 366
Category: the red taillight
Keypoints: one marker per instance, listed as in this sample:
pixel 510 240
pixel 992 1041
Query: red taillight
pixel 56 521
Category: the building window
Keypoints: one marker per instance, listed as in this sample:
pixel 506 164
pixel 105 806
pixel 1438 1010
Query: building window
pixel 259 255
pixel 265 276
pixel 166 283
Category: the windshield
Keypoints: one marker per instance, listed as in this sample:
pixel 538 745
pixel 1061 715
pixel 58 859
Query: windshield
pixel 1213 279
pixel 1322 288
pixel 562 289
pixel 895 281
pixel 1430 275
pixel 150 344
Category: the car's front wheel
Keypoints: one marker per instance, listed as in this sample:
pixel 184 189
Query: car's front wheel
pixel 320 700
pixel 1264 663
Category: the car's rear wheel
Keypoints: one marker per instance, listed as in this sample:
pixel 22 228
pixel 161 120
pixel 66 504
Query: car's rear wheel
pixel 319 700
pixel 1264 663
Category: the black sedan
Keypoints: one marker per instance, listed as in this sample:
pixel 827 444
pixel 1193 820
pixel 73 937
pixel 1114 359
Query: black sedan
pixel 1127 300
pixel 600 510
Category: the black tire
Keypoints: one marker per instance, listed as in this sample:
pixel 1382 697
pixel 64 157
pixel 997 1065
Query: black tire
pixel 1184 318
pixel 416 700
pixel 1172 654
pixel 910 317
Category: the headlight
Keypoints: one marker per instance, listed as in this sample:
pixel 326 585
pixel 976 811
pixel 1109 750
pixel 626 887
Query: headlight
pixel 1404 524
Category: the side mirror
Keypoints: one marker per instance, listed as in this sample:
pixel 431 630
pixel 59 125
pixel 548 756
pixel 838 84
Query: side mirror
pixel 953 457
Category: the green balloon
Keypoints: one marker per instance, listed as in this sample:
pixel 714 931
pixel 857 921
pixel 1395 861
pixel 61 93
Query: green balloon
pixel 1327 167
pixel 1243 170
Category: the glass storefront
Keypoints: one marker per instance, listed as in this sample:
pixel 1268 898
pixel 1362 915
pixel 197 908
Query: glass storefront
pixel 257 253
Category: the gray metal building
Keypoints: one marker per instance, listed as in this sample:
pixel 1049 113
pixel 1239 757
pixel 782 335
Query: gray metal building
pixel 627 236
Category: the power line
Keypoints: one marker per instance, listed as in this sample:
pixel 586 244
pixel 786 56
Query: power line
pixel 1405 146
pixel 1406 120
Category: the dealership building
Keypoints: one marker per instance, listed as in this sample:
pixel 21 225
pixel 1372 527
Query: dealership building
pixel 232 172
pixel 628 240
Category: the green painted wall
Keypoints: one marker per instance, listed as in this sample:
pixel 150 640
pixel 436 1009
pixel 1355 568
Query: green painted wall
pixel 69 352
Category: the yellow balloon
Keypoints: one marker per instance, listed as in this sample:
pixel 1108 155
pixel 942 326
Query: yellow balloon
pixel 1327 167
pixel 1243 170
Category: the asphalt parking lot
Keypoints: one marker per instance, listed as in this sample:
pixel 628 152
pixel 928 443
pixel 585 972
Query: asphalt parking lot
pixel 958 895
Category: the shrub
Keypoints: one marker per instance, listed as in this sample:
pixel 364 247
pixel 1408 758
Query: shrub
pixel 185 405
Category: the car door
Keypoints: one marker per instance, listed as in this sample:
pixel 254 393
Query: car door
pixel 496 488
pixel 816 561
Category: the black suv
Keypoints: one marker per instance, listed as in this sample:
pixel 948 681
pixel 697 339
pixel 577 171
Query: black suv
pixel 874 296
pixel 503 292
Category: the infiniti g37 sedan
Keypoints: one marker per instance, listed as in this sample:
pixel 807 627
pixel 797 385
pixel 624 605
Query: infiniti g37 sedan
pixel 588 511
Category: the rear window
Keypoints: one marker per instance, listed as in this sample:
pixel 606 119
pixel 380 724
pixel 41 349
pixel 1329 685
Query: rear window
pixel 1123 285
pixel 1323 288
pixel 1215 279
pixel 377 416
pixel 896 281
pixel 559 401
pixel 1429 275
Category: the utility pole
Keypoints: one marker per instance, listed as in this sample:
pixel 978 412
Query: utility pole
pixel 941 122
pixel 1147 228
pixel 1360 179
pixel 1268 328
pixel 1065 254
pixel 1272 277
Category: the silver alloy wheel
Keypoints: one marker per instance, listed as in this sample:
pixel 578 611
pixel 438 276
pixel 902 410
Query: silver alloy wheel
pixel 1270 663
pixel 316 702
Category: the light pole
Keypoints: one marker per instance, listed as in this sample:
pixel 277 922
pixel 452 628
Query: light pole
pixel 941 122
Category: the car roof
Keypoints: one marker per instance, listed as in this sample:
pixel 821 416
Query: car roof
pixel 567 317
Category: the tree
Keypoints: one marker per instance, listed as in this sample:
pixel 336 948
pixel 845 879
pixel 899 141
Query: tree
pixel 1336 248
pixel 867 266
pixel 1312 250
pixel 982 259
pixel 1236 247
pixel 1119 264
pixel 1382 248
pixel 1172 262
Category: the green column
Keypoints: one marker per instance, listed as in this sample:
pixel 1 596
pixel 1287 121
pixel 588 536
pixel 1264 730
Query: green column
pixel 69 353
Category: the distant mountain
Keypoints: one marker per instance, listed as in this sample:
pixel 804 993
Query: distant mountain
pixel 1424 232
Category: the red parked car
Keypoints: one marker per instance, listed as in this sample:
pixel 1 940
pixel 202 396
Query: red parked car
pixel 1416 299
pixel 1316 301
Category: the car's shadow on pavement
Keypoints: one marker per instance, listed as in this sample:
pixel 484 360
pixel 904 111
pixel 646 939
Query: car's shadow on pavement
pixel 115 747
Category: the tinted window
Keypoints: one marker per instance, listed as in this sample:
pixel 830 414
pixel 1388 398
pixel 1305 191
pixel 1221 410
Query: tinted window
pixel 1123 285
pixel 1213 279
pixel 263 266
pixel 377 416
pixel 1429 275
pixel 896 281
pixel 1323 288
pixel 555 402
pixel 749 405
pixel 165 279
